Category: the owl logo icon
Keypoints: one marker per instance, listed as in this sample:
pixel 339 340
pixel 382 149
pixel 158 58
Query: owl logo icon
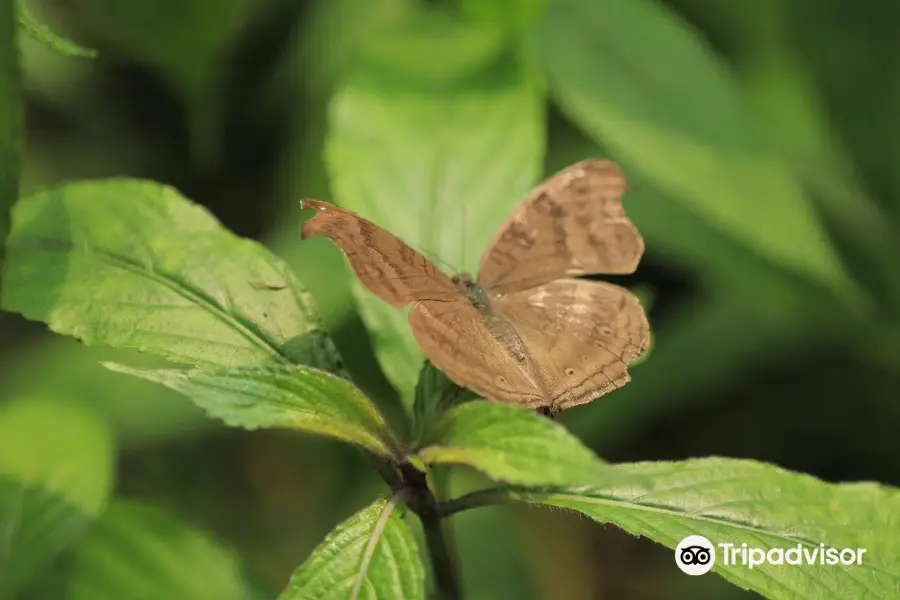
pixel 695 555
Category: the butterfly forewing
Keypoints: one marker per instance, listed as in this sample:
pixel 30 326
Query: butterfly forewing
pixel 458 341
pixel 573 224
pixel 383 263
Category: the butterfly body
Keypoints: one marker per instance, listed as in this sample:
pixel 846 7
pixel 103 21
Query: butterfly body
pixel 526 331
pixel 502 330
pixel 476 294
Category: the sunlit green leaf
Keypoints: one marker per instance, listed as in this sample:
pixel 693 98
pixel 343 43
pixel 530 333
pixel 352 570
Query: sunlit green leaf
pixel 133 264
pixel 371 555
pixel 137 551
pixel 436 137
pixel 667 107
pixel 511 444
pixel 56 468
pixel 10 119
pixel 281 396
pixel 736 502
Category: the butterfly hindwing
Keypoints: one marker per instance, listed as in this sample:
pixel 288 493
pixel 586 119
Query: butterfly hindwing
pixel 582 334
pixel 459 342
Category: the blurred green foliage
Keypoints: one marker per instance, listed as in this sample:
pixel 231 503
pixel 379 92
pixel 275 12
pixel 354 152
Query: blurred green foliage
pixel 10 117
pixel 759 140
pixel 139 551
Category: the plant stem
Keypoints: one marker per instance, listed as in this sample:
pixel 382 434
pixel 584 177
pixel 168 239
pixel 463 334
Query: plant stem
pixel 425 505
pixel 446 576
pixel 487 497
pixel 387 471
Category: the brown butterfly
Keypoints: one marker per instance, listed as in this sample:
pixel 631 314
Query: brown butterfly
pixel 523 333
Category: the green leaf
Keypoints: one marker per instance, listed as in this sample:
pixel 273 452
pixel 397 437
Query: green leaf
pixel 138 551
pixel 45 35
pixel 10 119
pixel 56 468
pixel 668 108
pixel 511 444
pixel 436 137
pixel 737 501
pixel 793 117
pixel 133 264
pixel 281 396
pixel 373 554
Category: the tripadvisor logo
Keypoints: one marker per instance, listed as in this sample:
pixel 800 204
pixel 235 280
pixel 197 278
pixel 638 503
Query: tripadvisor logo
pixel 800 554
pixel 696 555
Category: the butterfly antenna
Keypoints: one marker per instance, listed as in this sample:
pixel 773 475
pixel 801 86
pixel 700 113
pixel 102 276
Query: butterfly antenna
pixel 462 264
pixel 433 257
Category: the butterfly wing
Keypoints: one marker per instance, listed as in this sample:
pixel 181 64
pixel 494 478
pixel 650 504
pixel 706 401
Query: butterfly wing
pixel 478 352
pixel 460 340
pixel 573 224
pixel 581 334
pixel 383 263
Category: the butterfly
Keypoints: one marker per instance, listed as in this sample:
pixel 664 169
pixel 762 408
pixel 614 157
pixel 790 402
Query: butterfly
pixel 526 331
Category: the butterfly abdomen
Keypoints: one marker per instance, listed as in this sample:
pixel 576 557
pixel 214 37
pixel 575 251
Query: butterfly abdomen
pixel 504 333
